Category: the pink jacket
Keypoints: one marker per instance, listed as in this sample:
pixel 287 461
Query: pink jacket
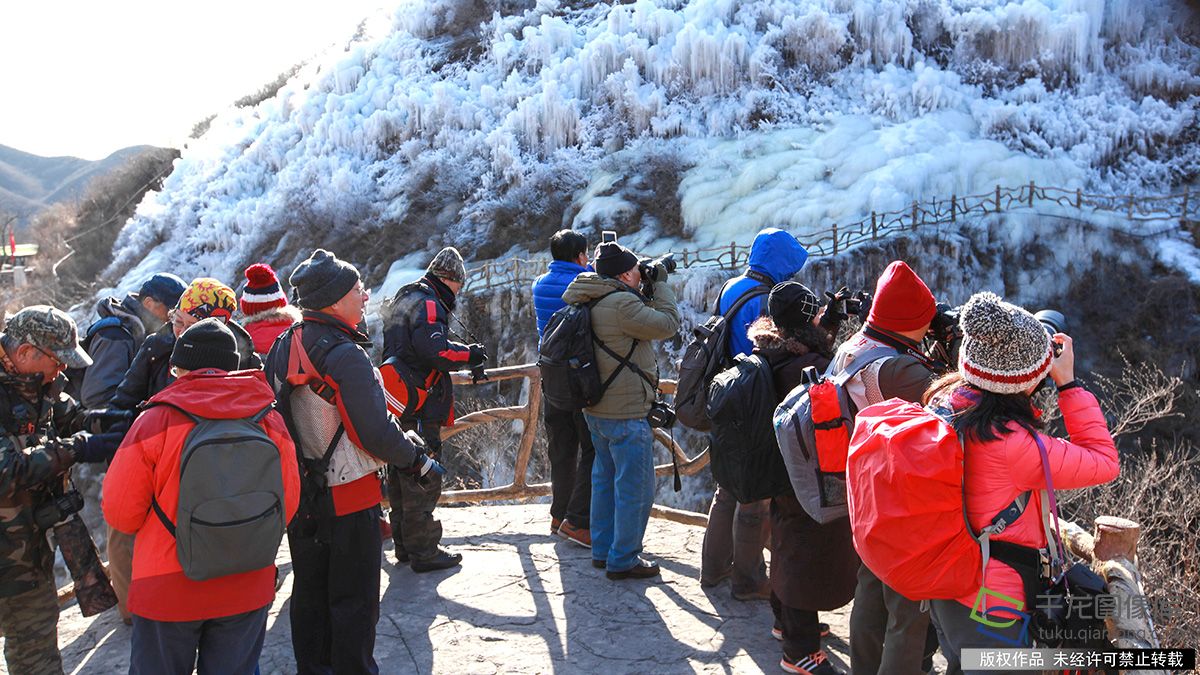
pixel 1000 470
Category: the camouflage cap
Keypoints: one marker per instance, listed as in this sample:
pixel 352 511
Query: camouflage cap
pixel 49 329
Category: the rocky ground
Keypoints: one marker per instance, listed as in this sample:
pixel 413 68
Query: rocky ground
pixel 523 602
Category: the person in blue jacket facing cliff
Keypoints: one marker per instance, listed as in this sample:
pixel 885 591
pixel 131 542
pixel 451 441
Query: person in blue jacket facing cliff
pixel 569 443
pixel 737 533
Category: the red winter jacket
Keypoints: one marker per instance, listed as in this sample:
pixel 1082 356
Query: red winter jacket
pixel 264 327
pixel 1000 470
pixel 147 465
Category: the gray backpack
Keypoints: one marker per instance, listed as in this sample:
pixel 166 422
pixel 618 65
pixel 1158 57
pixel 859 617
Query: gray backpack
pixel 230 517
pixel 813 426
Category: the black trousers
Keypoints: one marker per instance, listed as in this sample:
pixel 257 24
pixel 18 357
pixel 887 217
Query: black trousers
pixel 229 645
pixel 415 531
pixel 335 596
pixel 571 453
pixel 801 629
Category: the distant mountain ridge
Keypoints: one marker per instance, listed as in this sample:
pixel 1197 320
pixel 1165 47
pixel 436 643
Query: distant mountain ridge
pixel 29 182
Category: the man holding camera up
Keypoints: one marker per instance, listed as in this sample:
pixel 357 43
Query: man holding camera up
pixel 633 305
pixel 417 345
pixel 888 632
pixel 40 442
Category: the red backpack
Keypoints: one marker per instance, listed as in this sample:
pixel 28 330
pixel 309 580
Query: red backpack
pixel 904 485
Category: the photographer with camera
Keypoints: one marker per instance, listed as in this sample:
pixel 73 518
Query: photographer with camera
pixel 41 441
pixel 888 632
pixel 624 323
pixel 417 347
pixel 737 533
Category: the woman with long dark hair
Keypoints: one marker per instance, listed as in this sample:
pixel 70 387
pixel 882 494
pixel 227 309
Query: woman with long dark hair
pixel 1005 355
pixel 813 566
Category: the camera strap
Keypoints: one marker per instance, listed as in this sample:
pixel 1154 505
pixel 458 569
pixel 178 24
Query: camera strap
pixel 900 345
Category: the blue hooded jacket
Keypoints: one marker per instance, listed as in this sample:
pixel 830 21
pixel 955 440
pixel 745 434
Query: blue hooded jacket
pixel 548 290
pixel 778 255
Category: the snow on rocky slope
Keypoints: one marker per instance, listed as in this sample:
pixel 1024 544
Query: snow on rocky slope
pixel 490 123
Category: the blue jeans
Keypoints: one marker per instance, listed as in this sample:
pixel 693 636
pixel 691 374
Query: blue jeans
pixel 228 645
pixel 622 489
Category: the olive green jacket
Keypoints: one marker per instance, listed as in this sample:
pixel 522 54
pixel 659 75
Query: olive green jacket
pixel 618 319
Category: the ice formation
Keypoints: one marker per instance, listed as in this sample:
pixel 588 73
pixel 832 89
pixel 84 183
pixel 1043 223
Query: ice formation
pixel 475 122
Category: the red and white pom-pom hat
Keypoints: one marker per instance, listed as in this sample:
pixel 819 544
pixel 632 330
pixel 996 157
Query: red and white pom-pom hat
pixel 1005 349
pixel 262 291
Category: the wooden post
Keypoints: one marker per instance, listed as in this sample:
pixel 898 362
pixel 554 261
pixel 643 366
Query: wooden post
pixel 914 215
pixel 997 199
pixel 1183 216
pixel 732 256
pixel 875 228
pixel 1078 198
pixel 835 238
pixel 1130 216
pixel 953 208
pixel 1116 537
pixel 1032 189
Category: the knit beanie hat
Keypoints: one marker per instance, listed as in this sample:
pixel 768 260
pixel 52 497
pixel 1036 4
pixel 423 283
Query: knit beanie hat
pixel 613 259
pixel 207 297
pixel 902 301
pixel 1004 349
pixel 792 305
pixel 448 265
pixel 262 291
pixel 206 344
pixel 322 280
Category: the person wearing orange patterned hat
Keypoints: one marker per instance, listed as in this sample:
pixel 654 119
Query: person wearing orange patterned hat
pixel 265 306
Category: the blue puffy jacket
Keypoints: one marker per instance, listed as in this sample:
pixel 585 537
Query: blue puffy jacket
pixel 774 253
pixel 548 290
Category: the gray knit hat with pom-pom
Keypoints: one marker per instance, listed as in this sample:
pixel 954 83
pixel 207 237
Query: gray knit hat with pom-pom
pixel 1004 349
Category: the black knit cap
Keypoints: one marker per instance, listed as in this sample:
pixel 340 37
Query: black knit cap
pixel 792 305
pixel 208 343
pixel 322 280
pixel 613 259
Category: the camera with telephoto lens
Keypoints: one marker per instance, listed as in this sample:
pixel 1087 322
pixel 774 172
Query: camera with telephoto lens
pixel 661 416
pixel 944 327
pixel 62 505
pixel 649 267
pixel 1054 322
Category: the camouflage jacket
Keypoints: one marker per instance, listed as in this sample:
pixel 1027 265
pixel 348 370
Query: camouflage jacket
pixel 32 463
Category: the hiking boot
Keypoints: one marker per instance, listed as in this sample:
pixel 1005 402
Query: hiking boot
pixel 402 557
pixel 813 664
pixel 578 535
pixel 642 569
pixel 822 628
pixel 555 523
pixel 748 596
pixel 443 560
pixel 599 564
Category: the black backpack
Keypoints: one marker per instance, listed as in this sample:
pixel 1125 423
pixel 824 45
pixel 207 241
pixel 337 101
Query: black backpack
pixel 706 355
pixel 744 453
pixel 567 358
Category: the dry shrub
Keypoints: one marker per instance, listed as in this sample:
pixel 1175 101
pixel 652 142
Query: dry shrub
pixel 1158 489
pixel 484 455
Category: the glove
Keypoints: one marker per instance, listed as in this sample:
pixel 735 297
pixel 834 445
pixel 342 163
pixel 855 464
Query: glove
pixel 424 464
pixel 89 448
pixel 415 438
pixel 478 354
pixel 836 309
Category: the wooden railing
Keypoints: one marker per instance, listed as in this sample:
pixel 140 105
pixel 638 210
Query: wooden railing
pixel 530 415
pixel 1169 211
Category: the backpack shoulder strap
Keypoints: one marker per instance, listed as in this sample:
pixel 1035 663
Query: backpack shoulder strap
pixel 757 291
pixel 861 361
pixel 196 419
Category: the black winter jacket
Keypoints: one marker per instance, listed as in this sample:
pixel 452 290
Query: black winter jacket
pixel 150 371
pixel 416 332
pixel 338 352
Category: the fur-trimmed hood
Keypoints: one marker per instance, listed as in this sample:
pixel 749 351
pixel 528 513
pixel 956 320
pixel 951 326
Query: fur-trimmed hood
pixel 768 337
pixel 286 314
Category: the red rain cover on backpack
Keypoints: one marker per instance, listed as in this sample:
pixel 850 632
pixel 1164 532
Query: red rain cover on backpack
pixel 904 490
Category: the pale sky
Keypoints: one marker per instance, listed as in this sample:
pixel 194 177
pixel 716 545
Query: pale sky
pixel 87 78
